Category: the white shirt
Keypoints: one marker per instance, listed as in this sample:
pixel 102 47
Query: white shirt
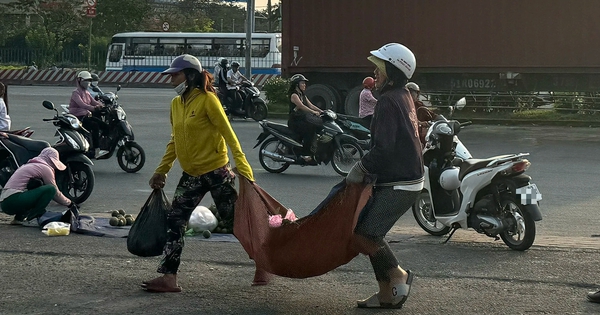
pixel 235 77
pixel 4 117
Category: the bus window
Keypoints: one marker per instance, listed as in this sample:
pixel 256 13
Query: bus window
pixel 199 46
pixel 116 52
pixel 142 47
pixel 260 47
pixel 172 46
pixel 228 47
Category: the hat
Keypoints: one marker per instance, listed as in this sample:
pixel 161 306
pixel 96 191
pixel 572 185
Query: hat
pixel 50 156
pixel 379 63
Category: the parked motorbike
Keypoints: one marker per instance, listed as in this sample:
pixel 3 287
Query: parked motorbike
pixel 253 106
pixel 116 134
pixel 76 182
pixel 25 132
pixel 493 196
pixel 282 147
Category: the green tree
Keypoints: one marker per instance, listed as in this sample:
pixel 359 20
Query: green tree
pixel 116 16
pixel 44 45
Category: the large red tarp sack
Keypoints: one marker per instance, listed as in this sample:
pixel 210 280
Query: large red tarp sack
pixel 307 247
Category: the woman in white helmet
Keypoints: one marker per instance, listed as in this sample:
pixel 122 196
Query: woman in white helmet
pixel 395 162
pixel 82 104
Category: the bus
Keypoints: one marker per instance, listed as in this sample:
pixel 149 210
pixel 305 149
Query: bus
pixel 154 51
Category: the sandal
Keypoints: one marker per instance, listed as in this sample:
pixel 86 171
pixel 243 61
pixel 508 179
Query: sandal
pixel 399 290
pixel 261 277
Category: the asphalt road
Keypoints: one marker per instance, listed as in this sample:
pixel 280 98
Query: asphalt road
pixel 472 274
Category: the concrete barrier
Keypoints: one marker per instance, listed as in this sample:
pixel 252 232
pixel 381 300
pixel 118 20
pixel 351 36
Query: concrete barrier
pixel 67 77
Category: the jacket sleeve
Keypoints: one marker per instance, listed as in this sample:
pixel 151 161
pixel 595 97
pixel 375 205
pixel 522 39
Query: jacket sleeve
pixel 77 98
pixel 48 177
pixel 170 155
pixel 217 116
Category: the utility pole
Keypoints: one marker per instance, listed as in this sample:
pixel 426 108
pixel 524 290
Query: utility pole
pixel 249 31
pixel 269 17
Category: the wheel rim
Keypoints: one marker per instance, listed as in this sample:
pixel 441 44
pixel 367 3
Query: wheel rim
pixel 516 233
pixel 131 157
pixel 346 156
pixel 426 214
pixel 79 185
pixel 276 147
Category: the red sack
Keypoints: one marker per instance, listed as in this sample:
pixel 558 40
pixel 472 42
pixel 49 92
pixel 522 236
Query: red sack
pixel 307 247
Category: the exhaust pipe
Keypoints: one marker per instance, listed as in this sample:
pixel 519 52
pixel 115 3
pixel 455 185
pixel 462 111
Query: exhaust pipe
pixel 277 157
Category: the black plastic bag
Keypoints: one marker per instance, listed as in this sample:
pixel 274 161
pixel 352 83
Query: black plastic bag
pixel 148 234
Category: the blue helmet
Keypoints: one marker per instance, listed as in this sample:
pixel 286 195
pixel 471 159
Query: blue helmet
pixel 184 62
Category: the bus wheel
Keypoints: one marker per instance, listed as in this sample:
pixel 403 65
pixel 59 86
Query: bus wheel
pixel 323 96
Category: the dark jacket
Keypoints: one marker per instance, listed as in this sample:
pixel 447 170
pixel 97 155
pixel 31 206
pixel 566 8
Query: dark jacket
pixel 395 154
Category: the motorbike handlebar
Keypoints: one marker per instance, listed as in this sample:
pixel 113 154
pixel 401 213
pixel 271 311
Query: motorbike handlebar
pixel 466 123
pixel 47 119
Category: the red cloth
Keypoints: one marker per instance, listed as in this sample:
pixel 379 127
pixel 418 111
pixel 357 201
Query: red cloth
pixel 307 247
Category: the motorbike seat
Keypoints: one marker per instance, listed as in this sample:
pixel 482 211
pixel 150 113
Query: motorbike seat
pixel 30 144
pixel 283 129
pixel 470 165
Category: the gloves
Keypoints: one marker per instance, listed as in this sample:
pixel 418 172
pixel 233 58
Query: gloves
pixel 157 181
pixel 356 174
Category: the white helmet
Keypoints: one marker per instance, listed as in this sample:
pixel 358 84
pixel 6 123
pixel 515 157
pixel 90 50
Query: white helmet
pixel 84 75
pixel 399 56
pixel 413 86
pixel 449 178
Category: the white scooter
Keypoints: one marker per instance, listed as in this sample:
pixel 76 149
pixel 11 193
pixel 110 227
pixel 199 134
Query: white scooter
pixel 493 196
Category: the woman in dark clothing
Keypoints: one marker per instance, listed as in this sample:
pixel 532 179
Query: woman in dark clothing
pixel 396 164
pixel 304 117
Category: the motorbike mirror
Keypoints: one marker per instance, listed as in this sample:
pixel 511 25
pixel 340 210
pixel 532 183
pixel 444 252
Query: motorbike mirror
pixel 460 104
pixel 118 88
pixel 48 105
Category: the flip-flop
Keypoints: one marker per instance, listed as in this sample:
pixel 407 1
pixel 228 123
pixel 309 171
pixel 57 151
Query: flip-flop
pixel 399 290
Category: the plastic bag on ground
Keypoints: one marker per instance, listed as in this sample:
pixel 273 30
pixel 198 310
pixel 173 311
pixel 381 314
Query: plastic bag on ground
pixel 56 229
pixel 202 219
pixel 307 247
pixel 148 234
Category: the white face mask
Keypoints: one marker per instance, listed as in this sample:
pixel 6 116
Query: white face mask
pixel 94 83
pixel 180 88
pixel 84 84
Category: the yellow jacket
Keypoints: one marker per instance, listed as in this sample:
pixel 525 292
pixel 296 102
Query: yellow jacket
pixel 199 134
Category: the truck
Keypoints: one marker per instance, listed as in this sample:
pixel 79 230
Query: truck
pixel 462 47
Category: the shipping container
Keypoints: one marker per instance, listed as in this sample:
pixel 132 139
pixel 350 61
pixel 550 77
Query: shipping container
pixel 463 46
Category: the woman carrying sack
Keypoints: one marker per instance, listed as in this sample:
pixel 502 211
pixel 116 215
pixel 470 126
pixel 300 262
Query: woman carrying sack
pixel 200 134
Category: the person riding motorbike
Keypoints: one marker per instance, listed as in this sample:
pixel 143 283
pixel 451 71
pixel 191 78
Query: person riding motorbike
pixel 94 86
pixel 234 79
pixel 220 75
pixel 424 114
pixel 304 116
pixel 81 106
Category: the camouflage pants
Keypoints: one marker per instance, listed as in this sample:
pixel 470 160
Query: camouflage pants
pixel 188 194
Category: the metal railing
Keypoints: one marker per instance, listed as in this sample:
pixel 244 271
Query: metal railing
pixel 44 59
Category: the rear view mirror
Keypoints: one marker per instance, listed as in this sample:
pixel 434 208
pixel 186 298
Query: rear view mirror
pixel 48 105
pixel 460 104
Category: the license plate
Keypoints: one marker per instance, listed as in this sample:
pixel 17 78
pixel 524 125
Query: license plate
pixel 529 194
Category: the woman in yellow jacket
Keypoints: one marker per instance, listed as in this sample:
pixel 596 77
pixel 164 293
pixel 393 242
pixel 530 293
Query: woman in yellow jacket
pixel 199 138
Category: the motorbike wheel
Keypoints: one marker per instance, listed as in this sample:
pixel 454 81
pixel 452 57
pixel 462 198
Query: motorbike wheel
pixel 260 111
pixel 423 214
pixel 131 157
pixel 345 156
pixel 272 166
pixel 520 233
pixel 76 182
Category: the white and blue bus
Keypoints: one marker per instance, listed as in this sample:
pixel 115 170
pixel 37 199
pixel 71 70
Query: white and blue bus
pixel 154 51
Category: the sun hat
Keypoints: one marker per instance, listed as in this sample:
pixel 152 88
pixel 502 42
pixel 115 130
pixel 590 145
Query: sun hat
pixel 50 156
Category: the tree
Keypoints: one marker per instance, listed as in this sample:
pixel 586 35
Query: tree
pixel 116 16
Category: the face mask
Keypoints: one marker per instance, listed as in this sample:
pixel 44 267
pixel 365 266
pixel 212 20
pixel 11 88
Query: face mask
pixel 84 84
pixel 180 88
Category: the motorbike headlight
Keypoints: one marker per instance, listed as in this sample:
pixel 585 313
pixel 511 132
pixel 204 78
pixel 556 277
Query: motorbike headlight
pixel 75 123
pixel 72 142
pixel 121 114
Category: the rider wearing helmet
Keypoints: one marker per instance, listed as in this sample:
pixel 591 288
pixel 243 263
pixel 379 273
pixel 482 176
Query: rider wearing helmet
pixel 367 102
pixel 81 105
pixel 220 74
pixel 234 79
pixel 395 161
pixel 200 137
pixel 304 116
pixel 94 86
pixel 424 114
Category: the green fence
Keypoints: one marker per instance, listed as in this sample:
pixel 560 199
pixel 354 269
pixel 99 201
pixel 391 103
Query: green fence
pixel 68 58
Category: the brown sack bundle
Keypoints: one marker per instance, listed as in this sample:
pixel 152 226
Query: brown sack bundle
pixel 307 247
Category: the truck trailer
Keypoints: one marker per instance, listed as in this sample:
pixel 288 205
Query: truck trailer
pixel 462 46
